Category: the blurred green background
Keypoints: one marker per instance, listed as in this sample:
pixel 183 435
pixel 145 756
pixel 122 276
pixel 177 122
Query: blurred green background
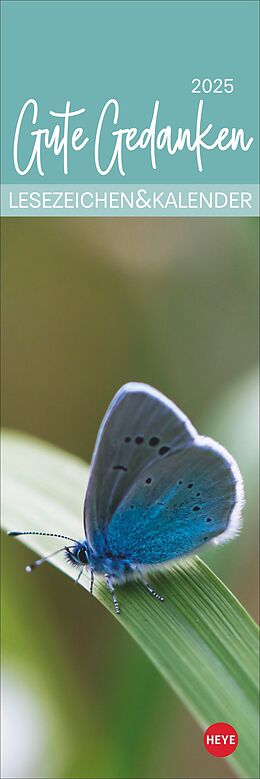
pixel 89 304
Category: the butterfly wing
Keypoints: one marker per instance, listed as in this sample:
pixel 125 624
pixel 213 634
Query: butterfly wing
pixel 174 507
pixel 141 428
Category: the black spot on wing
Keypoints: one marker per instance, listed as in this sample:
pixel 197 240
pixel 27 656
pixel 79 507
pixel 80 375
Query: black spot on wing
pixel 164 449
pixel 154 441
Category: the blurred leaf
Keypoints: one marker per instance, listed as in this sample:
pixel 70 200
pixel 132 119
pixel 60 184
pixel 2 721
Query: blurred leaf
pixel 201 639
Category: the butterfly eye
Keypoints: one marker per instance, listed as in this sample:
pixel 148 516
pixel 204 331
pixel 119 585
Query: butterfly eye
pixel 82 556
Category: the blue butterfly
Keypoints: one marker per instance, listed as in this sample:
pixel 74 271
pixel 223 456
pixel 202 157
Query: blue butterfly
pixel 157 491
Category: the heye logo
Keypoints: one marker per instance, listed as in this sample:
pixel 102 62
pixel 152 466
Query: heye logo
pixel 220 739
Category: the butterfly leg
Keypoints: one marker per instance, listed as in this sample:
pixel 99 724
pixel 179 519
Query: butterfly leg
pixel 150 589
pixel 91 581
pixel 78 578
pixel 111 588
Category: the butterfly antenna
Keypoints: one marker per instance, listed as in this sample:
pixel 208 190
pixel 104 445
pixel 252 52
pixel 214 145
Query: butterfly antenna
pixel 39 533
pixel 30 568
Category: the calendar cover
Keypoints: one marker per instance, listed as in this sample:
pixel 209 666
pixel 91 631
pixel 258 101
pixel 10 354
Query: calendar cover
pixel 130 260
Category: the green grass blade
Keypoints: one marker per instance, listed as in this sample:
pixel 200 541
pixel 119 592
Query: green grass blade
pixel 201 639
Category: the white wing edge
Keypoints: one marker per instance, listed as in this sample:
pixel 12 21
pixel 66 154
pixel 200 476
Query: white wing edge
pixel 135 386
pixel 235 519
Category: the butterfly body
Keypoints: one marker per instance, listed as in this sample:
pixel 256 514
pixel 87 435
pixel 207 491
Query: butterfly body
pixel 157 491
pixel 118 567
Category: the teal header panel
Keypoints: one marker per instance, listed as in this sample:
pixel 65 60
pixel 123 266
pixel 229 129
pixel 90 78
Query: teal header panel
pixel 130 94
